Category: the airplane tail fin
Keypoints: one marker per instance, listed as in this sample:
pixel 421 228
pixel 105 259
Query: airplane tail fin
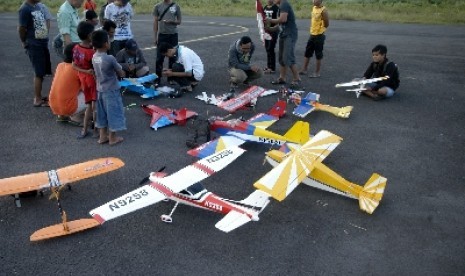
pixel 372 193
pixel 299 132
pixel 255 202
pixel 182 117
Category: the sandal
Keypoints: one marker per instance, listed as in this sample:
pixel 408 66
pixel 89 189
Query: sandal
pixel 42 103
pixel 278 81
pixel 296 84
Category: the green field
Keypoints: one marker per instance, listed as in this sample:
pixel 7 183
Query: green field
pixel 405 11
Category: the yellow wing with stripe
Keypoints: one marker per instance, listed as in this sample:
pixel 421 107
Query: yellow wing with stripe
pixel 284 178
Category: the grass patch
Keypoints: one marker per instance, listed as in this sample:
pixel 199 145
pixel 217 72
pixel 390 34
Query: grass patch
pixel 404 11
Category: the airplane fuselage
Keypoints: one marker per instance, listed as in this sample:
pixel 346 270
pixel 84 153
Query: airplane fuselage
pixel 210 201
pixel 248 132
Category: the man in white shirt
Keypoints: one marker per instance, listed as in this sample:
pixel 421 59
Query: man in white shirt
pixel 120 12
pixel 188 69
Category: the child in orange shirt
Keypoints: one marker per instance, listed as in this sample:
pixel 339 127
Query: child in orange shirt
pixel 82 62
pixel 90 5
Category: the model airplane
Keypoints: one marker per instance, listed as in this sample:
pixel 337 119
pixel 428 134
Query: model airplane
pixel 361 83
pixel 304 164
pixel 232 104
pixel 162 117
pixel 235 132
pixel 311 102
pixel 138 85
pixel 260 20
pixel 54 181
pixel 184 187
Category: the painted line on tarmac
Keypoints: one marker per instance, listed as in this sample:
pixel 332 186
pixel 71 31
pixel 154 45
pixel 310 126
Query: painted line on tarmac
pixel 243 30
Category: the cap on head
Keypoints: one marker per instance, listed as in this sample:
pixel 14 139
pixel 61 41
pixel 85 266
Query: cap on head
pixel 131 45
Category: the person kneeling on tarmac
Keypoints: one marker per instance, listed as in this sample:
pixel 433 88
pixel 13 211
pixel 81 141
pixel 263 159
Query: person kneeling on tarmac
pixel 188 69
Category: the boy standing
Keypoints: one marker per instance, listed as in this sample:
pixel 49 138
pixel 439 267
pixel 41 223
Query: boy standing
pixel 271 11
pixel 110 110
pixel 319 23
pixel 120 12
pixel 33 33
pixel 82 62
pixel 381 67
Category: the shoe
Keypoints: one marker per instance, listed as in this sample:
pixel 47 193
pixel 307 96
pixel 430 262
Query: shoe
pixel 302 73
pixel 186 88
pixel 268 71
pixel 295 84
pixel 42 103
pixel 314 75
pixel 278 81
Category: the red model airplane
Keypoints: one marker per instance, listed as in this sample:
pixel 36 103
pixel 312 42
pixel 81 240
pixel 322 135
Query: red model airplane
pixel 184 187
pixel 165 116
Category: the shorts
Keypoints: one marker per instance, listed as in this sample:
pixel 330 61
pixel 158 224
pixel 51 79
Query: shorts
pixel 40 59
pixel 315 45
pixel 389 91
pixel 88 86
pixel 286 50
pixel 110 111
pixel 81 105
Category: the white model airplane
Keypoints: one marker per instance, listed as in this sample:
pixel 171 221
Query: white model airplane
pixel 304 164
pixel 184 187
pixel 361 83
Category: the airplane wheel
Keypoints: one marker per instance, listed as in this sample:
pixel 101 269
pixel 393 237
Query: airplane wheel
pixel 166 218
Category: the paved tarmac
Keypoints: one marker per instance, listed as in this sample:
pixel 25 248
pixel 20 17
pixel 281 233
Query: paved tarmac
pixel 416 140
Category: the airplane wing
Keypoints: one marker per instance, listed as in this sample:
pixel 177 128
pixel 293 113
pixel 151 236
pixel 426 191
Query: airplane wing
pixel 219 144
pixel 161 188
pixel 244 98
pixel 303 109
pixel 59 177
pixel 284 178
pixel 262 120
pixel 362 81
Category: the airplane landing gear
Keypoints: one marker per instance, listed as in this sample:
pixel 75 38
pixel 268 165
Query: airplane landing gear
pixel 168 218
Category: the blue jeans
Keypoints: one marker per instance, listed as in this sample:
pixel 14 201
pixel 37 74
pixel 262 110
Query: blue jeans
pixel 110 111
pixel 389 93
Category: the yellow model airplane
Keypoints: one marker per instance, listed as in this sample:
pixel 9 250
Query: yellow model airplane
pixel 304 164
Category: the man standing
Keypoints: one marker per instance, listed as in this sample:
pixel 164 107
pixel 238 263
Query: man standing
pixel 287 40
pixel 67 19
pixel 120 12
pixel 240 68
pixel 319 23
pixel 33 33
pixel 166 18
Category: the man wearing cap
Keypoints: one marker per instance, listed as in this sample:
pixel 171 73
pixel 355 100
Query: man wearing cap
pixel 132 60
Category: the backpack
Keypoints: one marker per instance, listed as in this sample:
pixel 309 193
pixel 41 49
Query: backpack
pixel 198 132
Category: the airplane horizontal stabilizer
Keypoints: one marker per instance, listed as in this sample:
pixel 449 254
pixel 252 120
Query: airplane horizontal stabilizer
pixel 232 221
pixel 262 120
pixel 372 193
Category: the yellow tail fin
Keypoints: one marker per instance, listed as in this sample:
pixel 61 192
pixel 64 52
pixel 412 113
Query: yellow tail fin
pixel 372 193
pixel 299 132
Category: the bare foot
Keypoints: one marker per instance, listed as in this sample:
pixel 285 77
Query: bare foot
pixel 116 140
pixel 103 141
